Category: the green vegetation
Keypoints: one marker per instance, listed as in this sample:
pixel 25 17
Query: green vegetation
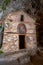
pixel 4 4
pixel 0 26
pixel 1 51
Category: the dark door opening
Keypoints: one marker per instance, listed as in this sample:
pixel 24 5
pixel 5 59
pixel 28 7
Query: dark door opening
pixel 21 41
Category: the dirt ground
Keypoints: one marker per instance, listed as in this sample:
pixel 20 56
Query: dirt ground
pixel 37 59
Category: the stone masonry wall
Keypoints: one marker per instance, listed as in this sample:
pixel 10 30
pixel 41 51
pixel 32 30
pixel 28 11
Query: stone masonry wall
pixel 11 35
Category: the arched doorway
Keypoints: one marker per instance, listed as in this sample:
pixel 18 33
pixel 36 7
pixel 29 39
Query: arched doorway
pixel 22 33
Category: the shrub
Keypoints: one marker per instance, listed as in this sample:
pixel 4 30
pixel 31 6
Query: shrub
pixel 1 51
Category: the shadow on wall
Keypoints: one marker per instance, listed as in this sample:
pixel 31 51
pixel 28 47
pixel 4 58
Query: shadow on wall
pixel 1 36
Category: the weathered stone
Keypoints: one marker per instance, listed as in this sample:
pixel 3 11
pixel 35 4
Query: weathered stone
pixel 15 58
pixel 11 31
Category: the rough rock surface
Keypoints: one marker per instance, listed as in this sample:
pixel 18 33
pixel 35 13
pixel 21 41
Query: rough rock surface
pixel 31 6
pixel 15 58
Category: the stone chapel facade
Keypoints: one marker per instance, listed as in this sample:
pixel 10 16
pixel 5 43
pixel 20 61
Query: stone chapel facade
pixel 19 32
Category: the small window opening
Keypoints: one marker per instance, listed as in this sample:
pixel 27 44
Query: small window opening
pixel 22 18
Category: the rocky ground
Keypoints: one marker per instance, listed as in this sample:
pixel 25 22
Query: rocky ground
pixel 15 58
pixel 37 59
pixel 21 58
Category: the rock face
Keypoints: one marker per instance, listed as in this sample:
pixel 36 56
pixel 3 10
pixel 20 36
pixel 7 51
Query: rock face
pixel 31 6
pixel 14 27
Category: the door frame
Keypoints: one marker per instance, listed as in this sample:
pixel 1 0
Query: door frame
pixel 24 39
